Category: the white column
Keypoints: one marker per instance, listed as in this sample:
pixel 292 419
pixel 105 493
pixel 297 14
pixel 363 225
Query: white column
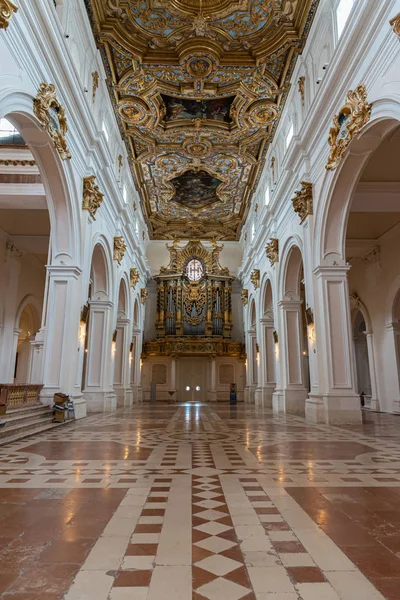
pixel 252 367
pixel 98 392
pixel 135 367
pixel 339 401
pixel 9 293
pixel 213 380
pixel 294 392
pixel 267 362
pixel 36 370
pixel 392 354
pixel 60 354
pixel 372 372
pixel 121 364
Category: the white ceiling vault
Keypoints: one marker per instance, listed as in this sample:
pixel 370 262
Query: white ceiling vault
pixel 198 88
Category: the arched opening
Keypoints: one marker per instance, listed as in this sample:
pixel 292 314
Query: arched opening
pixel 361 228
pixel 121 349
pixel 39 247
pixel 268 347
pixel 253 355
pixel 28 324
pixel 99 339
pixel 363 375
pixel 135 350
pixel 294 347
pixel 24 254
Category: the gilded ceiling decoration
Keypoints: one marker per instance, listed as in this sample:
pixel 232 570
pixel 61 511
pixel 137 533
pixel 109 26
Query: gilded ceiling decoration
pixel 198 87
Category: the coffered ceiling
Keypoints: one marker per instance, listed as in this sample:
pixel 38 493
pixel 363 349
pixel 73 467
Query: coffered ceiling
pixel 198 89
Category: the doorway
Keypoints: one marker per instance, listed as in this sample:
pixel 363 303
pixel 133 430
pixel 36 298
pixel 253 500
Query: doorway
pixel 192 379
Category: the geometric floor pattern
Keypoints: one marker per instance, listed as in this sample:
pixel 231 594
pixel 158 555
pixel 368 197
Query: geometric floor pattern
pixel 195 502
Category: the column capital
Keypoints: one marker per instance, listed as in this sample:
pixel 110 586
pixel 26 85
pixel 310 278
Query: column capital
pixel 64 271
pixel 331 271
pixel 106 304
pixel 292 304
pixel 123 322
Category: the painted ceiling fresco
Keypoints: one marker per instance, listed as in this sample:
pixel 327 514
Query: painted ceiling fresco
pixel 198 87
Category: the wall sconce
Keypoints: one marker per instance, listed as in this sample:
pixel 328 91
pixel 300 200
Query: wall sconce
pixel 115 335
pixel 276 339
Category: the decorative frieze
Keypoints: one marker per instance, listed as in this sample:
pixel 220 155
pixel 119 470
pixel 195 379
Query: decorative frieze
pixel 17 163
pixel 303 201
pixel 347 124
pixel 143 295
pixel 51 115
pixel 255 278
pixel 245 297
pixel 134 277
pixel 272 250
pixel 395 23
pixel 119 248
pixel 7 9
pixel 92 197
pixel 184 347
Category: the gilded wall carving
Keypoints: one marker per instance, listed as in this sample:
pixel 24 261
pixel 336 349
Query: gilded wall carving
pixel 7 9
pixel 92 197
pixel 303 201
pixel 272 251
pixel 51 115
pixel 395 23
pixel 198 88
pixel 119 248
pixel 347 124
pixel 134 278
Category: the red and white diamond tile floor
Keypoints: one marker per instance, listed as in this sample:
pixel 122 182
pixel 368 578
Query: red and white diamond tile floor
pixel 203 502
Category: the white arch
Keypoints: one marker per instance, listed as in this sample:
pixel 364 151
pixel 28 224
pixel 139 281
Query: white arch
pixel 292 243
pixel 106 279
pixel 337 189
pixel 16 104
pixel 28 300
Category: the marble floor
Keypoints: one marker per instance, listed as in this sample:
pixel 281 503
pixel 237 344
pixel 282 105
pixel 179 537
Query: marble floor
pixel 202 502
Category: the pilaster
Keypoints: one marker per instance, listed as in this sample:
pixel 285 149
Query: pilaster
pixel 338 401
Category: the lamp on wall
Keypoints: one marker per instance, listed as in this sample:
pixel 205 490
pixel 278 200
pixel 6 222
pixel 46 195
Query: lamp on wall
pixel 276 339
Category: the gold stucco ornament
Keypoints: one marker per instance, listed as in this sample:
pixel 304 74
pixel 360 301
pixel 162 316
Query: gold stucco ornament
pixel 255 278
pixel 245 297
pixel 51 115
pixel 7 9
pixel 119 248
pixel 395 23
pixel 143 295
pixel 303 201
pixel 134 277
pixel 92 197
pixel 347 124
pixel 272 250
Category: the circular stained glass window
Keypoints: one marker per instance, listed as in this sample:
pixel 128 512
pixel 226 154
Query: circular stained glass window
pixel 194 270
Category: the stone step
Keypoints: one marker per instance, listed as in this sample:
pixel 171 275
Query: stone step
pixel 33 431
pixel 25 410
pixel 12 419
pixel 25 421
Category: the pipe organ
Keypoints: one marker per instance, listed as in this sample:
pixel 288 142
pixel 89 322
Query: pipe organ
pixel 193 357
pixel 194 294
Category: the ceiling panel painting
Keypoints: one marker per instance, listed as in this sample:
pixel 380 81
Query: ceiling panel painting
pixel 198 87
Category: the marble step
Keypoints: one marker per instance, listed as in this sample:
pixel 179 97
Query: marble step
pixel 25 421
pixel 16 437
